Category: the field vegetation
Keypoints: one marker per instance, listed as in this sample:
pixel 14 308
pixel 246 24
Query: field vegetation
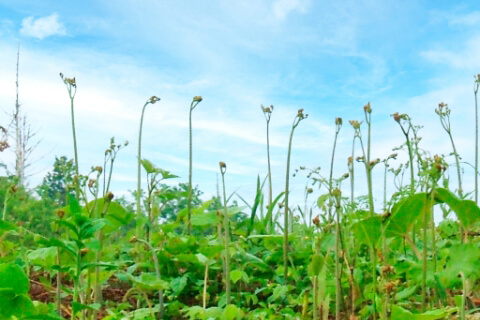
pixel 70 248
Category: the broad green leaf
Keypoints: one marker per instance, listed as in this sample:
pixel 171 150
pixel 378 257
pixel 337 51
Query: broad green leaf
pixel 178 284
pixel 147 165
pixel 19 306
pixel 149 282
pixel 405 213
pixel 13 277
pixel 231 312
pixel 45 257
pixel 205 219
pixel 368 231
pixel 6 226
pixel 89 229
pixel 467 211
pixel 236 275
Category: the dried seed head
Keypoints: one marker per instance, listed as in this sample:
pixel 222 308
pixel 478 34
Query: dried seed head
pixel 109 196
pixel 355 124
pixel 13 188
pixel 345 176
pixel 99 169
pixel 300 113
pixel 222 164
pixel 3 145
pixel 309 190
pixel 374 162
pixel 84 251
pixel 153 99
pixel 133 239
pixel 316 221
pixel 393 156
pixel 197 98
pixel 338 121
pixel 367 108
pixel 91 183
pixel 60 213
pixel 397 117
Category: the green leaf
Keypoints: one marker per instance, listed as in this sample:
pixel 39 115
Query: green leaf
pixel 231 312
pixel 467 211
pixel 149 282
pixel 147 165
pixel 405 213
pixel 405 293
pixel 92 226
pixel 15 305
pixel 178 284
pixel 235 275
pixel 45 257
pixel 205 219
pixel 13 277
pixel 6 226
pixel 368 230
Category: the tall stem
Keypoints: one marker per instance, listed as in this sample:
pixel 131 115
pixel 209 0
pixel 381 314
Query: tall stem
pixel 475 91
pixel 139 173
pixel 226 222
pixel 270 196
pixel 338 266
pixel 195 102
pixel 296 121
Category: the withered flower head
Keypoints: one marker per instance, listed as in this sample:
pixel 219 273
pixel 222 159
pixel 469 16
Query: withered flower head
pixel 91 183
pixel 355 124
pixel 197 98
pixel 393 156
pixel 60 213
pixel 153 99
pixel 316 221
pixel 109 196
pixel 309 190
pixel 222 164
pixel 397 117
pixel 345 176
pixel 300 113
pixel 99 169
pixel 84 251
pixel 13 188
pixel 3 145
pixel 133 239
pixel 367 108
pixel 338 121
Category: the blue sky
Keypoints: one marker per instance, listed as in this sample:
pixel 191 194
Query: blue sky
pixel 329 58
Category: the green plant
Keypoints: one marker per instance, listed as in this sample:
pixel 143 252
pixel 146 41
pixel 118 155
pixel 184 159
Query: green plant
pixel 195 102
pixel 299 117
pixel 71 85
pixel 152 100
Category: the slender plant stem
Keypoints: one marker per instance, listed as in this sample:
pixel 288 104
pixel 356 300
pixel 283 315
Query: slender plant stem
pixel 270 195
pixel 139 173
pixel 195 102
pixel 226 225
pixel 338 267
pixel 475 91
pixel 296 121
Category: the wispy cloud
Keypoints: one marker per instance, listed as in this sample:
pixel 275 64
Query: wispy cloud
pixel 43 27
pixel 282 8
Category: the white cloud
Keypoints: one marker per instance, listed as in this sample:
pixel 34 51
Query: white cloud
pixel 470 19
pixel 465 58
pixel 282 8
pixel 42 27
